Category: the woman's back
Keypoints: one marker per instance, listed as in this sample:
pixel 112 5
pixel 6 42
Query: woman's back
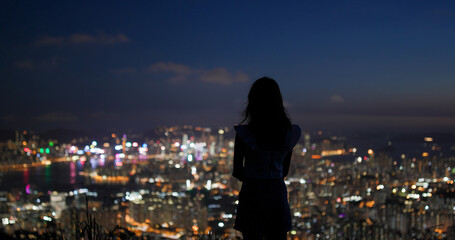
pixel 262 155
pixel 265 161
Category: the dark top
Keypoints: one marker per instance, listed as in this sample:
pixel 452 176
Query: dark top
pixel 263 203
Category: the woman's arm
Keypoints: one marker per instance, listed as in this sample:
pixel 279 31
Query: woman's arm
pixel 287 163
pixel 239 155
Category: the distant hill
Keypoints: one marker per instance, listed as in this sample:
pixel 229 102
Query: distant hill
pixel 437 137
pixel 6 135
pixel 62 134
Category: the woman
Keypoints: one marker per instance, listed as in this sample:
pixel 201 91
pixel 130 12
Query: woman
pixel 262 154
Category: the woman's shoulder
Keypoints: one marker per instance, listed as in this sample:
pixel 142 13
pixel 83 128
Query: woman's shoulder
pixel 294 135
pixel 296 128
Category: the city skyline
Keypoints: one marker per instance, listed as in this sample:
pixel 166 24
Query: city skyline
pixel 349 66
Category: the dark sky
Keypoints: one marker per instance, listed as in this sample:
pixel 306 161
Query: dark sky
pixel 342 65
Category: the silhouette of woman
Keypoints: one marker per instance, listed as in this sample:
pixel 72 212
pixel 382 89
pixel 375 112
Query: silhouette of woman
pixel 262 154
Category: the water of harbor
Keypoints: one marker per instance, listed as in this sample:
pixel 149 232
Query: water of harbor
pixel 58 176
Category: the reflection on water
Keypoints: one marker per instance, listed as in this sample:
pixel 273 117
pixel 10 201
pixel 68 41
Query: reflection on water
pixel 47 174
pixel 72 173
pixel 60 176
pixel 95 163
pixel 26 176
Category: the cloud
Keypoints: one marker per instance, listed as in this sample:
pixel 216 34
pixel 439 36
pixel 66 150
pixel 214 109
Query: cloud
pixel 49 40
pixel 222 76
pixel 26 64
pixel 57 117
pixel 82 38
pixel 181 72
pixel 336 99
pixel 170 67
pixel 101 38
pixel 38 64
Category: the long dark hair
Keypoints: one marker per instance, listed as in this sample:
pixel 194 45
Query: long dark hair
pixel 265 113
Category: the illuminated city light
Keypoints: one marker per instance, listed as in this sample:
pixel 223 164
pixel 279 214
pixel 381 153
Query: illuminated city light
pixel 209 184
pixel 337 152
pixel 133 196
pixel 128 144
pixel 216 156
pixel 73 149
pixel 428 139
pixel 413 196
pixel 353 198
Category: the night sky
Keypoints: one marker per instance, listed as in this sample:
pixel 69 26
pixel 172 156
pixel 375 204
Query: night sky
pixel 341 65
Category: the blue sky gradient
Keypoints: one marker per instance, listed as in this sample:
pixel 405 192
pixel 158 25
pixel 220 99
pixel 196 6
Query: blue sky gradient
pixel 343 65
